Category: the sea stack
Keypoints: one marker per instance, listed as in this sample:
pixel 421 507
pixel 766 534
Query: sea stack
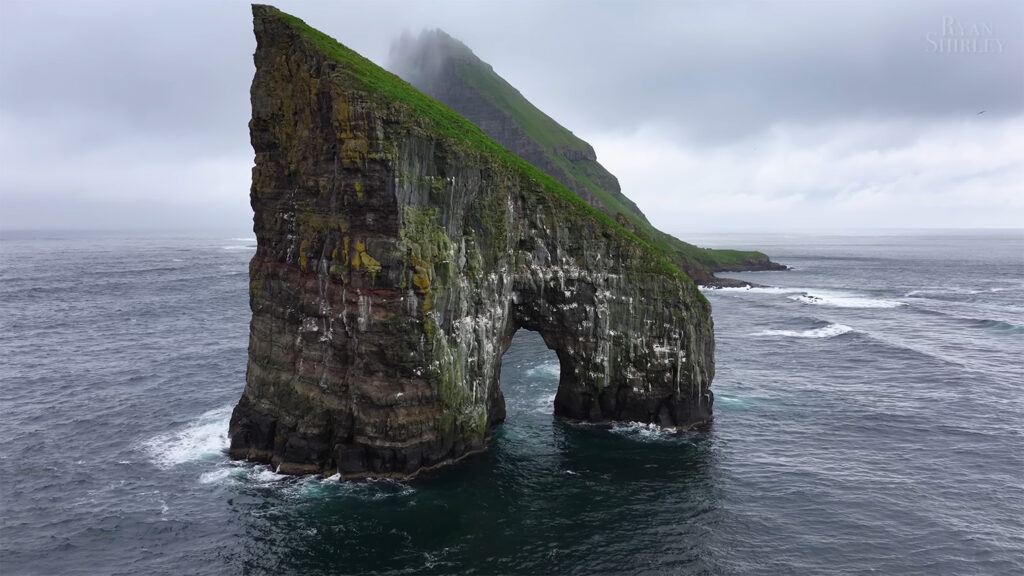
pixel 400 249
pixel 447 70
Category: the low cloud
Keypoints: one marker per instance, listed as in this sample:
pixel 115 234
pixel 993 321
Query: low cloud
pixel 967 173
pixel 743 115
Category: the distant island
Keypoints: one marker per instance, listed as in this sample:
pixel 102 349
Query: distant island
pixel 400 247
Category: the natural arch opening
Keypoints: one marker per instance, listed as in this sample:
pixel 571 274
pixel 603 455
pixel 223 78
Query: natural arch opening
pixel 529 376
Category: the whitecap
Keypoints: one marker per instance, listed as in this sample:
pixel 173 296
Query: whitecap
pixel 545 370
pixel 824 332
pixel 205 437
pixel 217 476
pixel 264 475
pixel 845 301
pixel 250 247
pixel 314 487
pixel 753 289
pixel 545 404
pixel 813 296
pixel 642 431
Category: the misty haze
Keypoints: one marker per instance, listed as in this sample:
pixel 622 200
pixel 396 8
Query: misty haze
pixel 511 287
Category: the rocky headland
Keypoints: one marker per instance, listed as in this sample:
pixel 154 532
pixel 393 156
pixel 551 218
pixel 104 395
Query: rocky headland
pixel 400 249
pixel 446 69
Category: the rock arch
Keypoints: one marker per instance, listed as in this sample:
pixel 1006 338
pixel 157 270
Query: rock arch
pixel 395 262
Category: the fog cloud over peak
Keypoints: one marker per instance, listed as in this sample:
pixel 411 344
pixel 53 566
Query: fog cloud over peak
pixel 839 112
pixel 423 54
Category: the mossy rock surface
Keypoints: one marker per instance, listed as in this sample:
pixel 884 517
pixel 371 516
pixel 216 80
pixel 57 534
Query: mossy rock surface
pixel 449 71
pixel 399 249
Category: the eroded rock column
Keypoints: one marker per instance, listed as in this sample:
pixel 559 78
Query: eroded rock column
pixel 395 261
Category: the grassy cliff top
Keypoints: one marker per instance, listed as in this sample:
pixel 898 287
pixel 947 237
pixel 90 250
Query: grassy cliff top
pixel 551 136
pixel 451 125
pixel 426 55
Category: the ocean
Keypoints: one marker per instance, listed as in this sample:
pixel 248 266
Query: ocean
pixel 869 420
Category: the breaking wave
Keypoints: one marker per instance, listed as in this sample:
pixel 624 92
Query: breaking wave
pixel 753 289
pixel 546 370
pixel 645 432
pixel 829 331
pixel 818 297
pixel 303 487
pixel 545 404
pixel 205 437
pixel 845 301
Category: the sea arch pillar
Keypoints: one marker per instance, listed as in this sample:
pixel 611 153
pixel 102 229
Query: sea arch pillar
pixel 397 247
pixel 614 364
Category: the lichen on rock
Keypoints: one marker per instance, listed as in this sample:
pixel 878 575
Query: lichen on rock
pixel 400 249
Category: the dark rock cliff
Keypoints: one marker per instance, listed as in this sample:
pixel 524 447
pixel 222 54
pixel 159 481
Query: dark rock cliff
pixel 399 250
pixel 446 69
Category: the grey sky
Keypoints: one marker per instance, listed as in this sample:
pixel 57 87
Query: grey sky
pixel 715 116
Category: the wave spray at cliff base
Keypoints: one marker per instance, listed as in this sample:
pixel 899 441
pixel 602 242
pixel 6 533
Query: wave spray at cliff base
pixel 893 447
pixel 203 438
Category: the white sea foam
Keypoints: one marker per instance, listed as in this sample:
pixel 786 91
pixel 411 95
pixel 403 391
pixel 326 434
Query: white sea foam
pixel 367 489
pixel 241 472
pixel 264 475
pixel 839 300
pixel 823 332
pixel 205 437
pixel 545 370
pixel 753 289
pixel 642 431
pixel 242 239
pixel 218 476
pixel 814 296
pixel 545 404
pixel 251 247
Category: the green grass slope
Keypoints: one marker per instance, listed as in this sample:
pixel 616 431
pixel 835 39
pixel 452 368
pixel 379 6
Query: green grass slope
pixel 463 133
pixel 574 156
pixel 556 140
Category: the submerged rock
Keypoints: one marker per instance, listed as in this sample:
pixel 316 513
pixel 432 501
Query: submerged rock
pixel 399 250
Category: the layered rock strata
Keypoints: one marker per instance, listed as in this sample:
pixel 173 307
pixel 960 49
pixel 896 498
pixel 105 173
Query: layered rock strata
pixel 399 250
pixel 446 69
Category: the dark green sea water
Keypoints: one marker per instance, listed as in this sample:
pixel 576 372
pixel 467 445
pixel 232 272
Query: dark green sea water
pixel 869 419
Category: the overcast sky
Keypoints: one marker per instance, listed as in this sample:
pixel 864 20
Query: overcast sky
pixel 766 116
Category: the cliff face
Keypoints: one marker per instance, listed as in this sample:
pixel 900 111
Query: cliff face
pixel 399 250
pixel 445 69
